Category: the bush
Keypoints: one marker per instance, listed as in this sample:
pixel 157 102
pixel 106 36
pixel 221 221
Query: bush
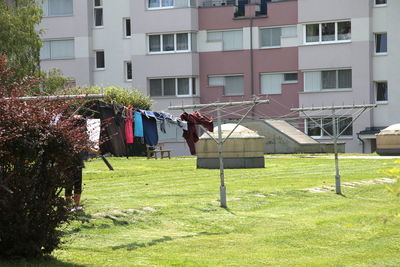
pixel 114 94
pixel 36 157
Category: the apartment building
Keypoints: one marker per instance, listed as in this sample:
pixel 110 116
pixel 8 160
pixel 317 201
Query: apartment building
pixel 295 52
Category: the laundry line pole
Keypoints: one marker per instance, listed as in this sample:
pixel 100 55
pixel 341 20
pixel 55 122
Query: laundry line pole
pixel 336 132
pixel 220 141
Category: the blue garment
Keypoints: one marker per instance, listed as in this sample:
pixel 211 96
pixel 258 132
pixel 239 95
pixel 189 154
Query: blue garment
pixel 138 125
pixel 150 130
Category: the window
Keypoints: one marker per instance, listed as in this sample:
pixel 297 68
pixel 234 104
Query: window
pixel 233 84
pixel 270 37
pixel 172 87
pixel 380 3
pixel 272 83
pixel 98 13
pixel 380 43
pixel 328 32
pixel 128 70
pixel 57 8
pixel 313 127
pixel 381 91
pixel 169 3
pixel 232 40
pixel 127 27
pixel 168 43
pixel 327 80
pixel 57 49
pixel 100 60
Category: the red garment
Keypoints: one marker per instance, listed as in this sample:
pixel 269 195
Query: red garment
pixel 129 127
pixel 190 135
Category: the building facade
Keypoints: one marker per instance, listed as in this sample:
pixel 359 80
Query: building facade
pixel 297 53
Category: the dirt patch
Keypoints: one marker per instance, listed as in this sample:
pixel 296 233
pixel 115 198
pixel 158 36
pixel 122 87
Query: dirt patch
pixel 327 188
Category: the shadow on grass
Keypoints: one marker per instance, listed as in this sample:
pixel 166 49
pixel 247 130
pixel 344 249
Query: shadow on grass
pixel 46 261
pixel 136 245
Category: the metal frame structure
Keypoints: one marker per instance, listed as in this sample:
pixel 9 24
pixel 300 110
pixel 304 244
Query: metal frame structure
pixel 336 134
pixel 220 141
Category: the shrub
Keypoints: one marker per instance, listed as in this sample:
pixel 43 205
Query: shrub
pixel 114 94
pixel 36 156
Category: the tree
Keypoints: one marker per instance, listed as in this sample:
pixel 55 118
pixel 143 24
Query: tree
pixel 19 40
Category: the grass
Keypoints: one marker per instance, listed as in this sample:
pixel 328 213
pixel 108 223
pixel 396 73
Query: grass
pixel 166 213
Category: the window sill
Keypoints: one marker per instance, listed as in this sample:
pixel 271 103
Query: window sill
pixel 342 137
pixel 382 102
pixel 52 59
pixel 166 8
pixel 382 5
pixel 99 69
pixel 327 43
pixel 174 96
pixel 289 82
pixel 98 27
pixel 127 37
pixel 169 53
pixel 58 16
pixel 270 47
pixel 381 54
pixel 327 91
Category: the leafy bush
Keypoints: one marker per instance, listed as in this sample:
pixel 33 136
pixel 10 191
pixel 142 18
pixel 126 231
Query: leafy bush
pixel 36 158
pixel 114 94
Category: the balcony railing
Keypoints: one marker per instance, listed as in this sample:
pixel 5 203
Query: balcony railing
pixel 260 6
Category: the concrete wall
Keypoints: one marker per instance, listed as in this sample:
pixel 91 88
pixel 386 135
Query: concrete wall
pixel 385 67
pixel 145 65
pixel 354 55
pixel 71 27
pixel 214 61
pixel 117 48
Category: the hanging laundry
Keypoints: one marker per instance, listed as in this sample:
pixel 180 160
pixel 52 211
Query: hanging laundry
pixel 193 119
pixel 128 126
pixel 138 124
pixel 93 129
pixel 150 130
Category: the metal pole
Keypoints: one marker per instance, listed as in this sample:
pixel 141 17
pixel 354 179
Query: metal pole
pixel 335 138
pixel 222 189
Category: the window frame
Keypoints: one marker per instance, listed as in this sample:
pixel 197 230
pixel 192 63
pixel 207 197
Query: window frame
pixel 375 44
pixel 222 38
pixel 126 70
pixel 95 59
pixel 191 80
pixel 223 86
pixel 94 14
pixel 58 58
pixel 283 80
pixel 376 92
pixel 175 43
pixel 274 46
pixel 336 89
pixel 125 30
pixel 320 33
pixel 47 15
pixel 380 5
pixel 323 135
pixel 166 7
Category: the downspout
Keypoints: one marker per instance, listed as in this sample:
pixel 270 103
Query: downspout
pixel 251 65
pixel 362 142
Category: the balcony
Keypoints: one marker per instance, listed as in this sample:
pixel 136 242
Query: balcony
pixel 243 8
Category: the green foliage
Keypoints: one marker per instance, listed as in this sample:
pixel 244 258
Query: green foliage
pixel 19 39
pixel 52 83
pixel 394 173
pixel 119 95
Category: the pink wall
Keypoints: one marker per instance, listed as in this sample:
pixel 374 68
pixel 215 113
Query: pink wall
pixel 238 62
pixel 216 18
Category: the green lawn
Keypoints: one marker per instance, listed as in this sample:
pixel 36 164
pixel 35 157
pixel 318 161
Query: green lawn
pixel 166 213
